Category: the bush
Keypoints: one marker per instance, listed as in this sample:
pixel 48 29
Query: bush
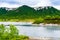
pixel 10 33
pixel 38 21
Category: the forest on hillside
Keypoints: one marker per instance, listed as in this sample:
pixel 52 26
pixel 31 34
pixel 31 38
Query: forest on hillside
pixel 29 13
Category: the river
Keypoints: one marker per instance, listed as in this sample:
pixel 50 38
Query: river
pixel 26 28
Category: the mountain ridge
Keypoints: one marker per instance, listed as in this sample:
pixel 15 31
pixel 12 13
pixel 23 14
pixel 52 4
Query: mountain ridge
pixel 27 12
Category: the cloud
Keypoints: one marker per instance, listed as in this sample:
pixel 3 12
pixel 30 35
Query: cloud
pixel 10 1
pixel 32 2
pixel 29 2
pixel 13 3
pixel 44 3
pixel 21 2
pixel 9 5
pixel 57 7
pixel 36 3
pixel 55 2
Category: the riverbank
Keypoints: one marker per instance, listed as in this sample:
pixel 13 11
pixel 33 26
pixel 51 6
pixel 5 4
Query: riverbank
pixel 28 23
pixel 15 23
pixel 40 38
pixel 43 38
pixel 43 24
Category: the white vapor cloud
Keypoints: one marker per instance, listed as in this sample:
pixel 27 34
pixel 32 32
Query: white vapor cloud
pixel 9 5
pixel 57 7
pixel 44 3
pixel 32 3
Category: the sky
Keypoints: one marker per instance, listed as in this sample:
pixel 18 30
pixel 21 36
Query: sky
pixel 32 3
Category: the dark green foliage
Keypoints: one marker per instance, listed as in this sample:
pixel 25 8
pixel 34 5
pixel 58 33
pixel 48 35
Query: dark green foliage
pixel 26 12
pixel 48 11
pixel 48 19
pixel 53 19
pixel 3 11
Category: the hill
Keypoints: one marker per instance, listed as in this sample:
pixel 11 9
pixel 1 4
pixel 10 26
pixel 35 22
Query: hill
pixel 26 12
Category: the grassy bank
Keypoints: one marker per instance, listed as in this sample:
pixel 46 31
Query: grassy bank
pixel 16 20
pixel 47 20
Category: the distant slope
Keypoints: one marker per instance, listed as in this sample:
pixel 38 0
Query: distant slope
pixel 26 12
pixel 48 11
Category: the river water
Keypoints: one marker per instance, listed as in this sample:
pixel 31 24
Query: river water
pixel 39 31
pixel 35 31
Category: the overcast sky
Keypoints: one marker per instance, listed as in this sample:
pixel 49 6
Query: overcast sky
pixel 36 3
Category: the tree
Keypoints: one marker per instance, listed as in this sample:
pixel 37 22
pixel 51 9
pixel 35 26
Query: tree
pixel 10 33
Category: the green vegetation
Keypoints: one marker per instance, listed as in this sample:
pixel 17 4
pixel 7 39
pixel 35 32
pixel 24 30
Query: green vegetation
pixel 11 33
pixel 38 21
pixel 26 13
pixel 48 20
